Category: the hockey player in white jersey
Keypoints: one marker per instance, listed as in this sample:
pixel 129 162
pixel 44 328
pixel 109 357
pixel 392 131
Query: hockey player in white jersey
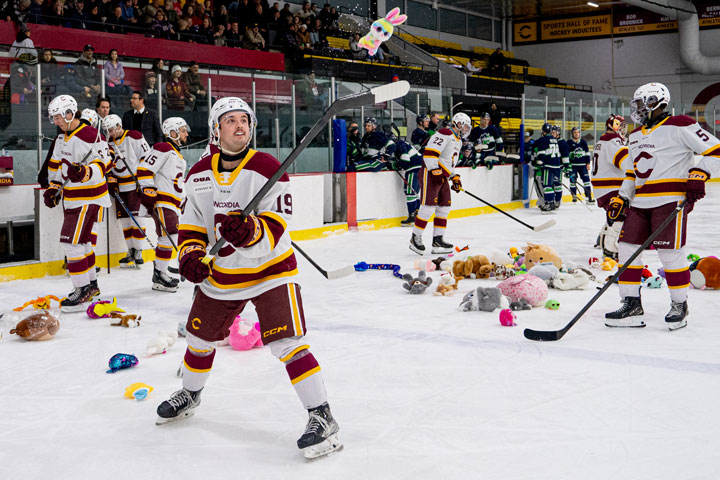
pixel 129 147
pixel 610 162
pixel 437 177
pixel 256 265
pixel 664 173
pixel 161 176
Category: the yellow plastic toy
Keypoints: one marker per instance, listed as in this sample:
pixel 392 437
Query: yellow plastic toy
pixel 138 391
pixel 40 303
pixel 609 264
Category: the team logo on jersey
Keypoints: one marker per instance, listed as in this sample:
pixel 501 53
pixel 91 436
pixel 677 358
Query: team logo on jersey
pixel 201 179
pixel 196 323
pixel 224 178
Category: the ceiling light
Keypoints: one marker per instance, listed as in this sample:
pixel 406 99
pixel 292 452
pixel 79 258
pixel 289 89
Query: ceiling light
pixel 594 5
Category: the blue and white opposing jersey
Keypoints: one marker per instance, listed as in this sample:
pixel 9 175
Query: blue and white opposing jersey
pixel 579 152
pixel 547 151
pixel 487 136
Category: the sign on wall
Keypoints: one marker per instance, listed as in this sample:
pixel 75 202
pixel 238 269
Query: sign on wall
pixel 576 27
pixel 6 171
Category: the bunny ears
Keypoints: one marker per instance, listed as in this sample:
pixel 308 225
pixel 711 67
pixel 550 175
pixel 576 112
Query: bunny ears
pixel 394 17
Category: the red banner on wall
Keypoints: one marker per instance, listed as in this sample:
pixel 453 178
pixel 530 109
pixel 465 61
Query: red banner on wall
pixel 6 171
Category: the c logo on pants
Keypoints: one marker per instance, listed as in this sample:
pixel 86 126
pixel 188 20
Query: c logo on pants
pixel 196 326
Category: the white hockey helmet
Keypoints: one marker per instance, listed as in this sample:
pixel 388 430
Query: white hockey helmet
pixel 110 123
pixel 463 123
pixel 648 98
pixel 174 124
pixel 91 116
pixel 61 105
pixel 226 105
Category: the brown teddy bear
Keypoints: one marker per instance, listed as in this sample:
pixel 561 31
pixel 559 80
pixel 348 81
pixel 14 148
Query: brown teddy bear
pixel 535 254
pixel 446 287
pixel 705 273
pixel 477 266
pixel 37 327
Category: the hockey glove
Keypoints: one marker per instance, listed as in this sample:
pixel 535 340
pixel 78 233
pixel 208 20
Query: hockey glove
pixel 79 173
pixel 616 210
pixel 696 185
pixel 149 197
pixel 456 183
pixel 50 196
pixel 112 183
pixel 191 265
pixel 239 231
pixel 567 169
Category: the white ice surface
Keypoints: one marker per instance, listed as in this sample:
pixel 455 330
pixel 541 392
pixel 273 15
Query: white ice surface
pixel 420 389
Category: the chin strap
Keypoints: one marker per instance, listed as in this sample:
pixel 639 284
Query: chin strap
pixel 652 122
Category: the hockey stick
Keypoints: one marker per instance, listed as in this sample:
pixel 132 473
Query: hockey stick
pixel 332 275
pixel 379 94
pixel 132 217
pixel 552 335
pixel 582 197
pixel 539 228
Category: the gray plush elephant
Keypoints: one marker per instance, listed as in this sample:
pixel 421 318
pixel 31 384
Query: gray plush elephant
pixel 481 299
pixel 416 285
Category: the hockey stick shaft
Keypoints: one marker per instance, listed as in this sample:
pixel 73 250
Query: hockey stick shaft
pixel 582 197
pixel 343 272
pixel 380 94
pixel 551 335
pixel 132 217
pixel 538 228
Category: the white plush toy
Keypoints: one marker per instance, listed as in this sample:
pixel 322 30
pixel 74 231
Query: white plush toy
pixel 160 344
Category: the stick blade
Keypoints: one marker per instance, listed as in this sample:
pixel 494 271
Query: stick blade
pixel 544 226
pixel 390 91
pixel 340 273
pixel 542 335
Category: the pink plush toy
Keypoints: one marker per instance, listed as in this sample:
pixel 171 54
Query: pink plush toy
pixel 507 318
pixel 244 334
pixel 528 287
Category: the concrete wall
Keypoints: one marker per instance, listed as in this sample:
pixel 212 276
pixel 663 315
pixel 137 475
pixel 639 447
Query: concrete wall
pixel 16 201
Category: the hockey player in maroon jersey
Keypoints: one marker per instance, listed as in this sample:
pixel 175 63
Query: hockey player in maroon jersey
pixel 257 264
pixel 663 174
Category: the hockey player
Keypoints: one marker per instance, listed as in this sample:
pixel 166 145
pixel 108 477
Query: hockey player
pixel 609 165
pixel 130 147
pixel 420 135
pixel 579 154
pixel 353 145
pixel 487 135
pixel 565 168
pixel 664 173
pixel 436 176
pixel 547 168
pixel 409 160
pixel 77 175
pixel 161 176
pixel 372 147
pixel 257 264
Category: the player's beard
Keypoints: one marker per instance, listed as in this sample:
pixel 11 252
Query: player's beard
pixel 242 148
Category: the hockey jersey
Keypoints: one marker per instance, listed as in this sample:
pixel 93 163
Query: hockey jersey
pixel 662 157
pixel 243 273
pixel 373 145
pixel 164 168
pixel 487 136
pixel 564 150
pixel 610 160
pixel 579 152
pixel 418 138
pixel 83 145
pixel 546 150
pixel 442 151
pixel 405 155
pixel 130 147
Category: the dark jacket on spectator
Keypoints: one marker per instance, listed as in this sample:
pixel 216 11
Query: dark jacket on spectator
pixel 87 73
pixel 149 125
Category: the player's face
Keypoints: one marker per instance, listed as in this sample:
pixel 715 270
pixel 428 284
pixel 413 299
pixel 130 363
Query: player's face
pixel 104 109
pixel 60 121
pixel 484 122
pixel 234 131
pixel 555 133
pixel 426 123
pixel 576 135
pixel 369 127
pixel 183 135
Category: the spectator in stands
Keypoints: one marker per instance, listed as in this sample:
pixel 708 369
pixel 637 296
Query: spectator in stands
pixel 334 25
pixel 105 8
pixel 142 119
pixel 325 15
pixel 303 38
pixel 35 12
pixel 317 35
pixel 195 84
pixel 497 61
pixel 252 39
pixel 184 33
pixel 305 12
pixel 160 27
pixel 158 68
pixel 68 83
pixel 78 17
pixel 313 94
pixel 177 93
pixel 471 67
pixel 204 32
pixel 496 117
pixel 23 45
pixel 358 52
pixel 219 36
pixel 21 87
pixel 290 46
pixel 260 19
pixel 149 12
pixel 171 13
pixel 49 70
pixel 151 90
pixel 88 76
pixel 221 17
pixel 285 13
pixel 129 13
pixel 116 23
pixel 57 17
pixel 233 37
pixel 95 20
pixel 115 75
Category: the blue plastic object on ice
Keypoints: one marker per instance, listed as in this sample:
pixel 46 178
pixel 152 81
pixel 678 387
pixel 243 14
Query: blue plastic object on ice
pixel 120 361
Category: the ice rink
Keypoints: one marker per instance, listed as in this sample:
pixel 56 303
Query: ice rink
pixel 420 389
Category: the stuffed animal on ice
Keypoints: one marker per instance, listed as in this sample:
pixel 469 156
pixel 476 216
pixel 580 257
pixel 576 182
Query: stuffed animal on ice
pixel 381 30
pixel 502 272
pixel 477 266
pixel 103 308
pixel 416 285
pixel 446 286
pixel 507 318
pixel 536 254
pixel 545 271
pixel 40 303
pixel 244 334
pixel 127 321
pixel 160 344
pixel 525 287
pixel 705 273
pixel 577 280
pixel 37 327
pixel 483 300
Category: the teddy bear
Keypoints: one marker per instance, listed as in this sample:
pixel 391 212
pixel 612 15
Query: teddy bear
pixel 446 286
pixel 536 254
pixel 128 321
pixel 416 285
pixel 477 266
pixel 705 273
pixel 483 300
pixel 37 327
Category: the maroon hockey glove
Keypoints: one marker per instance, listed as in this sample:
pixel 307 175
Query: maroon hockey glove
pixel 79 173
pixel 616 210
pixel 696 185
pixel 456 183
pixel 240 232
pixel 112 183
pixel 191 265
pixel 149 196
pixel 50 196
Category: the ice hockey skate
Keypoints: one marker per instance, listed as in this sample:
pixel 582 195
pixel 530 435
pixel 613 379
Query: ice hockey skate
pixel 320 437
pixel 128 261
pixel 416 244
pixel 138 258
pixel 181 404
pixel 163 282
pixel 440 246
pixel 410 221
pixel 627 316
pixel 76 299
pixel 94 289
pixel 547 208
pixel 677 316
